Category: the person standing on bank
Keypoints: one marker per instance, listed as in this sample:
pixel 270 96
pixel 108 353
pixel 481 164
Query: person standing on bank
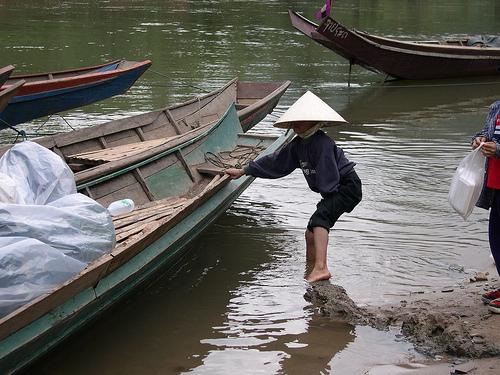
pixel 490 196
pixel 325 168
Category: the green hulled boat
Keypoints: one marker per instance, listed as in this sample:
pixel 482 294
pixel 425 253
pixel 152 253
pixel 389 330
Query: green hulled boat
pixel 178 191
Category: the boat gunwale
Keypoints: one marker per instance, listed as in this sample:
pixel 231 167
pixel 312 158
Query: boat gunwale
pixel 425 53
pixel 67 71
pixel 61 90
pixel 437 44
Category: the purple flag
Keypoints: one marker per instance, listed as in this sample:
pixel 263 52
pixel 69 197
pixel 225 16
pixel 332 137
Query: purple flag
pixel 325 10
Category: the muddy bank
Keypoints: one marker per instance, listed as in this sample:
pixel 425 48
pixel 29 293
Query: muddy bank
pixel 449 323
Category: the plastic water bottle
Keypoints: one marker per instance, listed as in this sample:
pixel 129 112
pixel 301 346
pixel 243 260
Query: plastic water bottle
pixel 123 206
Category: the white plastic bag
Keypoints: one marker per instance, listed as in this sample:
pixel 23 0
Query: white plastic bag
pixel 467 183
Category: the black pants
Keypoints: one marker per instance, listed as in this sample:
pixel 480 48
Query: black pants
pixel 494 228
pixel 331 207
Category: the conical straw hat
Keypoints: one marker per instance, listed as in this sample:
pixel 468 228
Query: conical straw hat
pixel 309 108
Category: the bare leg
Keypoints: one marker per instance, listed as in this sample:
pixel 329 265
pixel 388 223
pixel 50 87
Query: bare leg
pixel 310 250
pixel 320 270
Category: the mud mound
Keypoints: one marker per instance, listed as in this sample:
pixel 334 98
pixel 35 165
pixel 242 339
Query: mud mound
pixel 454 323
pixel 333 302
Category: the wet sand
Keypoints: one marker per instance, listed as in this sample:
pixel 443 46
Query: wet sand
pixel 450 326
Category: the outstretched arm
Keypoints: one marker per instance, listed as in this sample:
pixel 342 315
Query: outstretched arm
pixel 275 165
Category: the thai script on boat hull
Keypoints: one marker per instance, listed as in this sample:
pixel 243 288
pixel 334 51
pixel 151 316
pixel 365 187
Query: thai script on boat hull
pixel 333 29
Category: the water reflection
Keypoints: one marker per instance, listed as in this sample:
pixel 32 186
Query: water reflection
pixel 269 327
pixel 308 350
pixel 391 101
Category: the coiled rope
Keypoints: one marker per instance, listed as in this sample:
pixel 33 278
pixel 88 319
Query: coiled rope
pixel 237 158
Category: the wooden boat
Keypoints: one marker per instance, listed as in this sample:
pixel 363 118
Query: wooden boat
pixel 7 94
pixel 48 93
pixel 5 73
pixel 401 59
pixel 160 128
pixel 179 193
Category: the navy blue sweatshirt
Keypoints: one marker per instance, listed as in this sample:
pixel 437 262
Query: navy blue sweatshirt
pixel 321 161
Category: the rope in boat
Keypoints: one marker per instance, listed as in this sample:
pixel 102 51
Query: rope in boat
pixel 236 158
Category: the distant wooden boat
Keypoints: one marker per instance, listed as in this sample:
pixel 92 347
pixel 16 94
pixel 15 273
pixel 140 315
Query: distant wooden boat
pixel 179 193
pixel 7 94
pixel 81 149
pixel 48 93
pixel 401 59
pixel 5 73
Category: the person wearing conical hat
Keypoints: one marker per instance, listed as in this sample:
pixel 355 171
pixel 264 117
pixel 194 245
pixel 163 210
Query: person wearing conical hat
pixel 326 170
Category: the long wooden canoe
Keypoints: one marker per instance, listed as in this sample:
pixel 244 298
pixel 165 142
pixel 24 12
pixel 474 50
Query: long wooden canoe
pixel 81 149
pixel 401 59
pixel 52 92
pixel 179 192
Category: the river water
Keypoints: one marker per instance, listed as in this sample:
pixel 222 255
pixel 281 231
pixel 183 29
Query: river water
pixel 234 304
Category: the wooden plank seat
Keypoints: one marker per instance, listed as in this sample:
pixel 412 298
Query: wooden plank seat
pixel 109 154
pixel 153 213
pixel 135 221
pixel 209 169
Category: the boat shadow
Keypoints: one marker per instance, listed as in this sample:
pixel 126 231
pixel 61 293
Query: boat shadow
pixel 419 99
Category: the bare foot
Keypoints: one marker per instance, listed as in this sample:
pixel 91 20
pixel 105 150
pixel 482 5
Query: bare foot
pixel 317 275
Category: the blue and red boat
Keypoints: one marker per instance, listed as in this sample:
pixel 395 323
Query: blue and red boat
pixel 48 93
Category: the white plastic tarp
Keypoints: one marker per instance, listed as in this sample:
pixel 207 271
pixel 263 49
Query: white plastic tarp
pixel 51 232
